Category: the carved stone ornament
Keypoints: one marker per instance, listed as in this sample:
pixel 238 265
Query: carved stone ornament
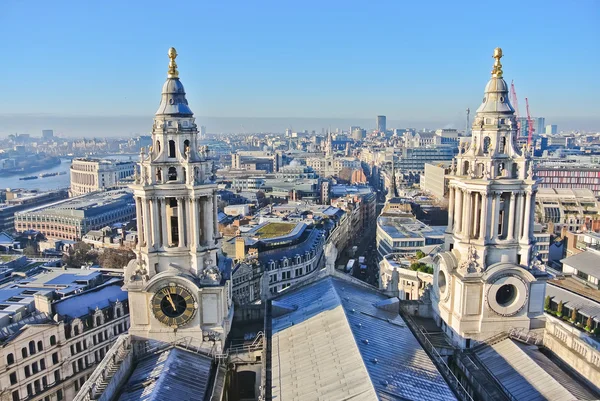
pixel 211 275
pixel 470 264
pixel 141 273
pixel 536 263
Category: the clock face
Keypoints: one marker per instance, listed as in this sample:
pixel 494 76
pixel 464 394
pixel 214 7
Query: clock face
pixel 173 305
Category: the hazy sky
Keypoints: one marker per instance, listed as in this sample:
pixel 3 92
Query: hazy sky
pixel 413 61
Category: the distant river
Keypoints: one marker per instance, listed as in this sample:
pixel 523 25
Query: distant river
pixel 54 182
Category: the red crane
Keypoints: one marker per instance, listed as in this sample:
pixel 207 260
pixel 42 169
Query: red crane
pixel 529 125
pixel 515 103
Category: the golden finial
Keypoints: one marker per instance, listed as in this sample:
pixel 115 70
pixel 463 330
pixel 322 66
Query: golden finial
pixel 173 73
pixel 497 71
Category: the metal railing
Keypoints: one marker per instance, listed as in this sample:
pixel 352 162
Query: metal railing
pixel 439 361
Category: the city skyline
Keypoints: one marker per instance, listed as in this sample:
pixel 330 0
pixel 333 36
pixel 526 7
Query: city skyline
pixel 318 65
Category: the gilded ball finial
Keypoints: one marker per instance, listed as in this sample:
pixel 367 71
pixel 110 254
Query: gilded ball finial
pixel 173 73
pixel 497 70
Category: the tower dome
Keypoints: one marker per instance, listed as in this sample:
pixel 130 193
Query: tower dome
pixel 173 101
pixel 495 98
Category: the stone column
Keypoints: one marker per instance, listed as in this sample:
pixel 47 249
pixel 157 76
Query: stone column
pixel 511 217
pixel 147 224
pixel 138 216
pixel 450 209
pixel 475 216
pixel 155 223
pixel 201 221
pixel 163 222
pixel 216 215
pixel 518 215
pixel 495 215
pixel 527 217
pixel 483 217
pixel 209 216
pixel 459 211
pixel 180 218
pixel 467 222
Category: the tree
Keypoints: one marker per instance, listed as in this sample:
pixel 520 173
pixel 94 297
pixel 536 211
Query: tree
pixel 547 303
pixel 30 251
pixel 559 309
pixel 588 324
pixel 115 258
pixel 420 254
pixel 574 315
pixel 79 255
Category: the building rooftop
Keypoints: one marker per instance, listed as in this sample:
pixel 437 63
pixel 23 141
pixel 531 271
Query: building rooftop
pixel 408 227
pixel 587 262
pixel 527 374
pixel 173 374
pixel 571 300
pixel 337 344
pixel 84 205
pixel 100 297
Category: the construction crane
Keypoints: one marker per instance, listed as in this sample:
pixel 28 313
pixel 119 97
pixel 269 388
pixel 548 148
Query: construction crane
pixel 529 125
pixel 515 103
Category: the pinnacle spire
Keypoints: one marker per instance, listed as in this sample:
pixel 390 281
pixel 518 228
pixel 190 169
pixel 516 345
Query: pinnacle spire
pixel 173 73
pixel 497 70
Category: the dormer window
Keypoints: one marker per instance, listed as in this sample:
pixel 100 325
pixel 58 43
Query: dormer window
pixel 185 123
pixel 170 123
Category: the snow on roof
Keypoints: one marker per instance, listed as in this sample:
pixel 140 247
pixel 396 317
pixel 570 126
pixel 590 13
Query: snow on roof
pixel 81 304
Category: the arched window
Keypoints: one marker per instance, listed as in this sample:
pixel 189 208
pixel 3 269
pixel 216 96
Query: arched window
pixel 186 146
pixel 118 312
pixel 157 146
pixel 76 330
pixel 172 174
pixel 466 168
pixel 171 148
pixel 31 347
pixel 10 359
pixel 158 174
pixel 52 340
pixel 40 346
pixel 98 321
pixel 486 145
pixel 502 145
pixel 24 352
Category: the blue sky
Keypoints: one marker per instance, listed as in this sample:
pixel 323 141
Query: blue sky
pixel 324 59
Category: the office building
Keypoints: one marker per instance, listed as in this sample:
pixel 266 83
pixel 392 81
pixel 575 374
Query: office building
pixel 381 124
pixel 17 201
pixel 72 218
pixel 551 129
pixel 569 174
pixel 47 134
pixel 90 175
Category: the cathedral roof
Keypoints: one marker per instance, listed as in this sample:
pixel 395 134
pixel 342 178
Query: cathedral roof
pixel 495 98
pixel 173 102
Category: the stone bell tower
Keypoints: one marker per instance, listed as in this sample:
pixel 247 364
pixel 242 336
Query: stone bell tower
pixel 179 283
pixel 488 279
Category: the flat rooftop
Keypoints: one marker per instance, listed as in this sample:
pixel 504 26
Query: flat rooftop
pixel 408 227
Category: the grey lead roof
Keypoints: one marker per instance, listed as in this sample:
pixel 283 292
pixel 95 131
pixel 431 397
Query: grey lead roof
pixel 338 345
pixel 172 374
pixel 520 375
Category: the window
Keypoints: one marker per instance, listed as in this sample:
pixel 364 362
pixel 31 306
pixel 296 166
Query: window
pixel 29 390
pixel 76 330
pixel 98 321
pixel 55 358
pixel 172 174
pixel 171 148
pixel 44 382
pixel 13 378
pixel 56 376
pixel 59 395
pixel 52 340
pixel 42 364
pixel 15 395
pixel 118 312
pixel 34 367
pixel 31 347
pixel 40 346
pixel 27 371
pixel 10 359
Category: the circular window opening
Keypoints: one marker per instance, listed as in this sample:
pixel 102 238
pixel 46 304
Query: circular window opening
pixel 502 99
pixel 506 295
pixel 484 99
pixel 441 281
